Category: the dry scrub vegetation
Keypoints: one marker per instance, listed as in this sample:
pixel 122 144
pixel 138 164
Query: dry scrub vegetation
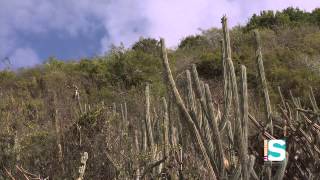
pixel 178 123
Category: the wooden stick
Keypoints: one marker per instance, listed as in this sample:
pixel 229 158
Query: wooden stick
pixel 9 173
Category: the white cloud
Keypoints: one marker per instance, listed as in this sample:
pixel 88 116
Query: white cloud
pixel 39 17
pixel 23 57
pixel 175 19
pixel 126 20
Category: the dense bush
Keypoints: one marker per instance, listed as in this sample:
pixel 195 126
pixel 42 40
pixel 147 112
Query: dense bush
pixel 287 17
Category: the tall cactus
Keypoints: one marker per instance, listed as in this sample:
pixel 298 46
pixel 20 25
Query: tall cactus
pixel 227 92
pixel 192 127
pixel 238 127
pixel 244 112
pixel 281 170
pixel 263 81
pixel 199 91
pixel 252 160
pixel 114 109
pixel 144 139
pixel 244 107
pixel 215 130
pixel 195 108
pixel 83 164
pixel 165 128
pixel 137 148
pixel 209 143
pixel 56 124
pixel 148 118
pixel 191 100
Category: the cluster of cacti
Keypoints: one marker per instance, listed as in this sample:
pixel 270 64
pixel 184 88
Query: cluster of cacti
pixel 208 127
pixel 158 143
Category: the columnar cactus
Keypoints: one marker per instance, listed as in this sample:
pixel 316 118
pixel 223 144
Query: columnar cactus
pixel 82 167
pixel 148 118
pixel 215 130
pixel 227 92
pixel 190 122
pixel 165 128
pixel 137 149
pixel 263 81
pixel 238 124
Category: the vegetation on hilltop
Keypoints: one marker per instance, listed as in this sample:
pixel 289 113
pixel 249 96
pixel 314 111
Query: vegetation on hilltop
pixel 287 17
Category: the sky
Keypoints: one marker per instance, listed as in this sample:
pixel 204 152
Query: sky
pixel 31 31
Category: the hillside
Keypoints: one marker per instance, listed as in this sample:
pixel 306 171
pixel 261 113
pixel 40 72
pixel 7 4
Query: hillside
pixel 52 113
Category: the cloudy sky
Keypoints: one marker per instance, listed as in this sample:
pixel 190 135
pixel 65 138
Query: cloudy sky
pixel 33 30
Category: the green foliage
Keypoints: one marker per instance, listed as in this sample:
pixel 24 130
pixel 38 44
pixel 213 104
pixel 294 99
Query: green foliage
pixel 135 67
pixel 149 46
pixel 210 65
pixel 191 42
pixel 53 64
pixel 89 119
pixel 288 17
pixel 315 16
pixel 6 75
pixel 35 150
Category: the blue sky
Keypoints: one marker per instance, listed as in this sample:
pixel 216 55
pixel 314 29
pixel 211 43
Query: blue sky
pixel 33 30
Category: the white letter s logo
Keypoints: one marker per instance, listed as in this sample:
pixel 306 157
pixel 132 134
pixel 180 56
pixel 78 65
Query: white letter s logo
pixel 276 150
